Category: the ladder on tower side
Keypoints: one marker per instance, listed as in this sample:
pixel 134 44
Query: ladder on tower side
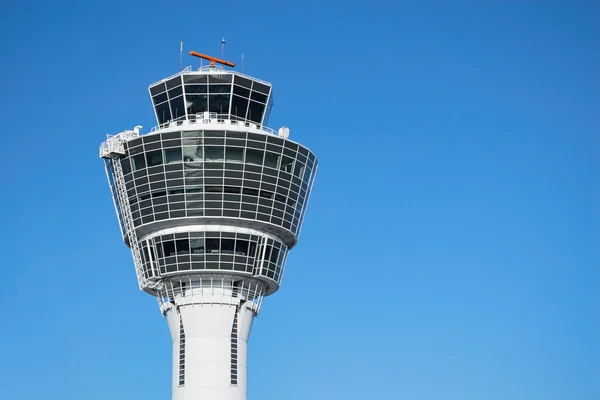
pixel 112 150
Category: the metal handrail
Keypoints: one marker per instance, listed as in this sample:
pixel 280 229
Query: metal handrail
pixel 220 119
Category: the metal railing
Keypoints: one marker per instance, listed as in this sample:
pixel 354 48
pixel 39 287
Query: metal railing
pixel 213 118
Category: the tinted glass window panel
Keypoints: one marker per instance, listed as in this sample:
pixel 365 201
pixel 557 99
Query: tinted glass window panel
pixel 214 153
pixel 183 247
pixel 227 246
pixel 219 89
pixel 299 170
pixel 171 83
pixel 173 155
pixel 163 112
pixel 160 98
pixel 192 89
pixel 241 247
pixel 274 255
pixel 243 82
pixel 159 88
pixel 259 97
pixel 254 156
pixel 197 246
pixel 239 106
pixel 139 162
pixel 197 103
pixel 260 87
pixel 154 158
pixel 225 78
pixel 241 91
pixel 212 246
pixel 234 154
pixel 271 160
pixel 178 91
pixel 169 248
pixel 218 103
pixel 177 107
pixel 195 78
pixel 255 111
pixel 126 166
pixel 287 164
pixel 192 154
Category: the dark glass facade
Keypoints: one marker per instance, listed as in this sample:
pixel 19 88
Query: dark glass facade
pixel 208 251
pixel 228 176
pixel 227 94
pixel 241 196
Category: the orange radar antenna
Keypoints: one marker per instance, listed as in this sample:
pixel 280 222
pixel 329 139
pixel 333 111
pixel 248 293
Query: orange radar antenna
pixel 212 60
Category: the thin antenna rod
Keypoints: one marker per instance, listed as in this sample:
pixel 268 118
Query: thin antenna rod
pixel 223 48
pixel 181 56
pixel 242 63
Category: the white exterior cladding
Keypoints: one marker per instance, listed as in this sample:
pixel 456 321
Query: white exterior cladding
pixel 207 329
pixel 209 268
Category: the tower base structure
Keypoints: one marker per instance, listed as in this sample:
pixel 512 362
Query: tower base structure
pixel 210 325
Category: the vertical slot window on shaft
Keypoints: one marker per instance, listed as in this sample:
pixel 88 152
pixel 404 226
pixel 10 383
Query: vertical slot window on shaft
pixel 181 353
pixel 234 350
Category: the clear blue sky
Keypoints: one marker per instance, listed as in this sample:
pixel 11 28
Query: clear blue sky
pixel 451 246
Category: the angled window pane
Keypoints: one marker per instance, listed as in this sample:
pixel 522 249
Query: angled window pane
pixel 156 89
pixel 163 112
pixel 262 98
pixel 177 107
pixel 243 82
pixel 241 91
pixel 239 106
pixel 255 111
pixel 256 86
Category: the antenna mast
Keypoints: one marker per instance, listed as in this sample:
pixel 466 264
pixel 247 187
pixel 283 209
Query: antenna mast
pixel 223 48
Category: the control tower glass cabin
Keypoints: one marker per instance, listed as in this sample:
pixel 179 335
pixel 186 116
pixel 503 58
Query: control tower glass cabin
pixel 210 202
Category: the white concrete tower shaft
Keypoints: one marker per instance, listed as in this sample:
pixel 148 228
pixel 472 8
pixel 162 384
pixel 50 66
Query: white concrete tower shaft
pixel 210 349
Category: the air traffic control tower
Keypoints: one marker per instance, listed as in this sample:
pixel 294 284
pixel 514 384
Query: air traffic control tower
pixel 210 202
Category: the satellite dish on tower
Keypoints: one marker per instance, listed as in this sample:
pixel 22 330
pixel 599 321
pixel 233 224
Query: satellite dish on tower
pixel 284 132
